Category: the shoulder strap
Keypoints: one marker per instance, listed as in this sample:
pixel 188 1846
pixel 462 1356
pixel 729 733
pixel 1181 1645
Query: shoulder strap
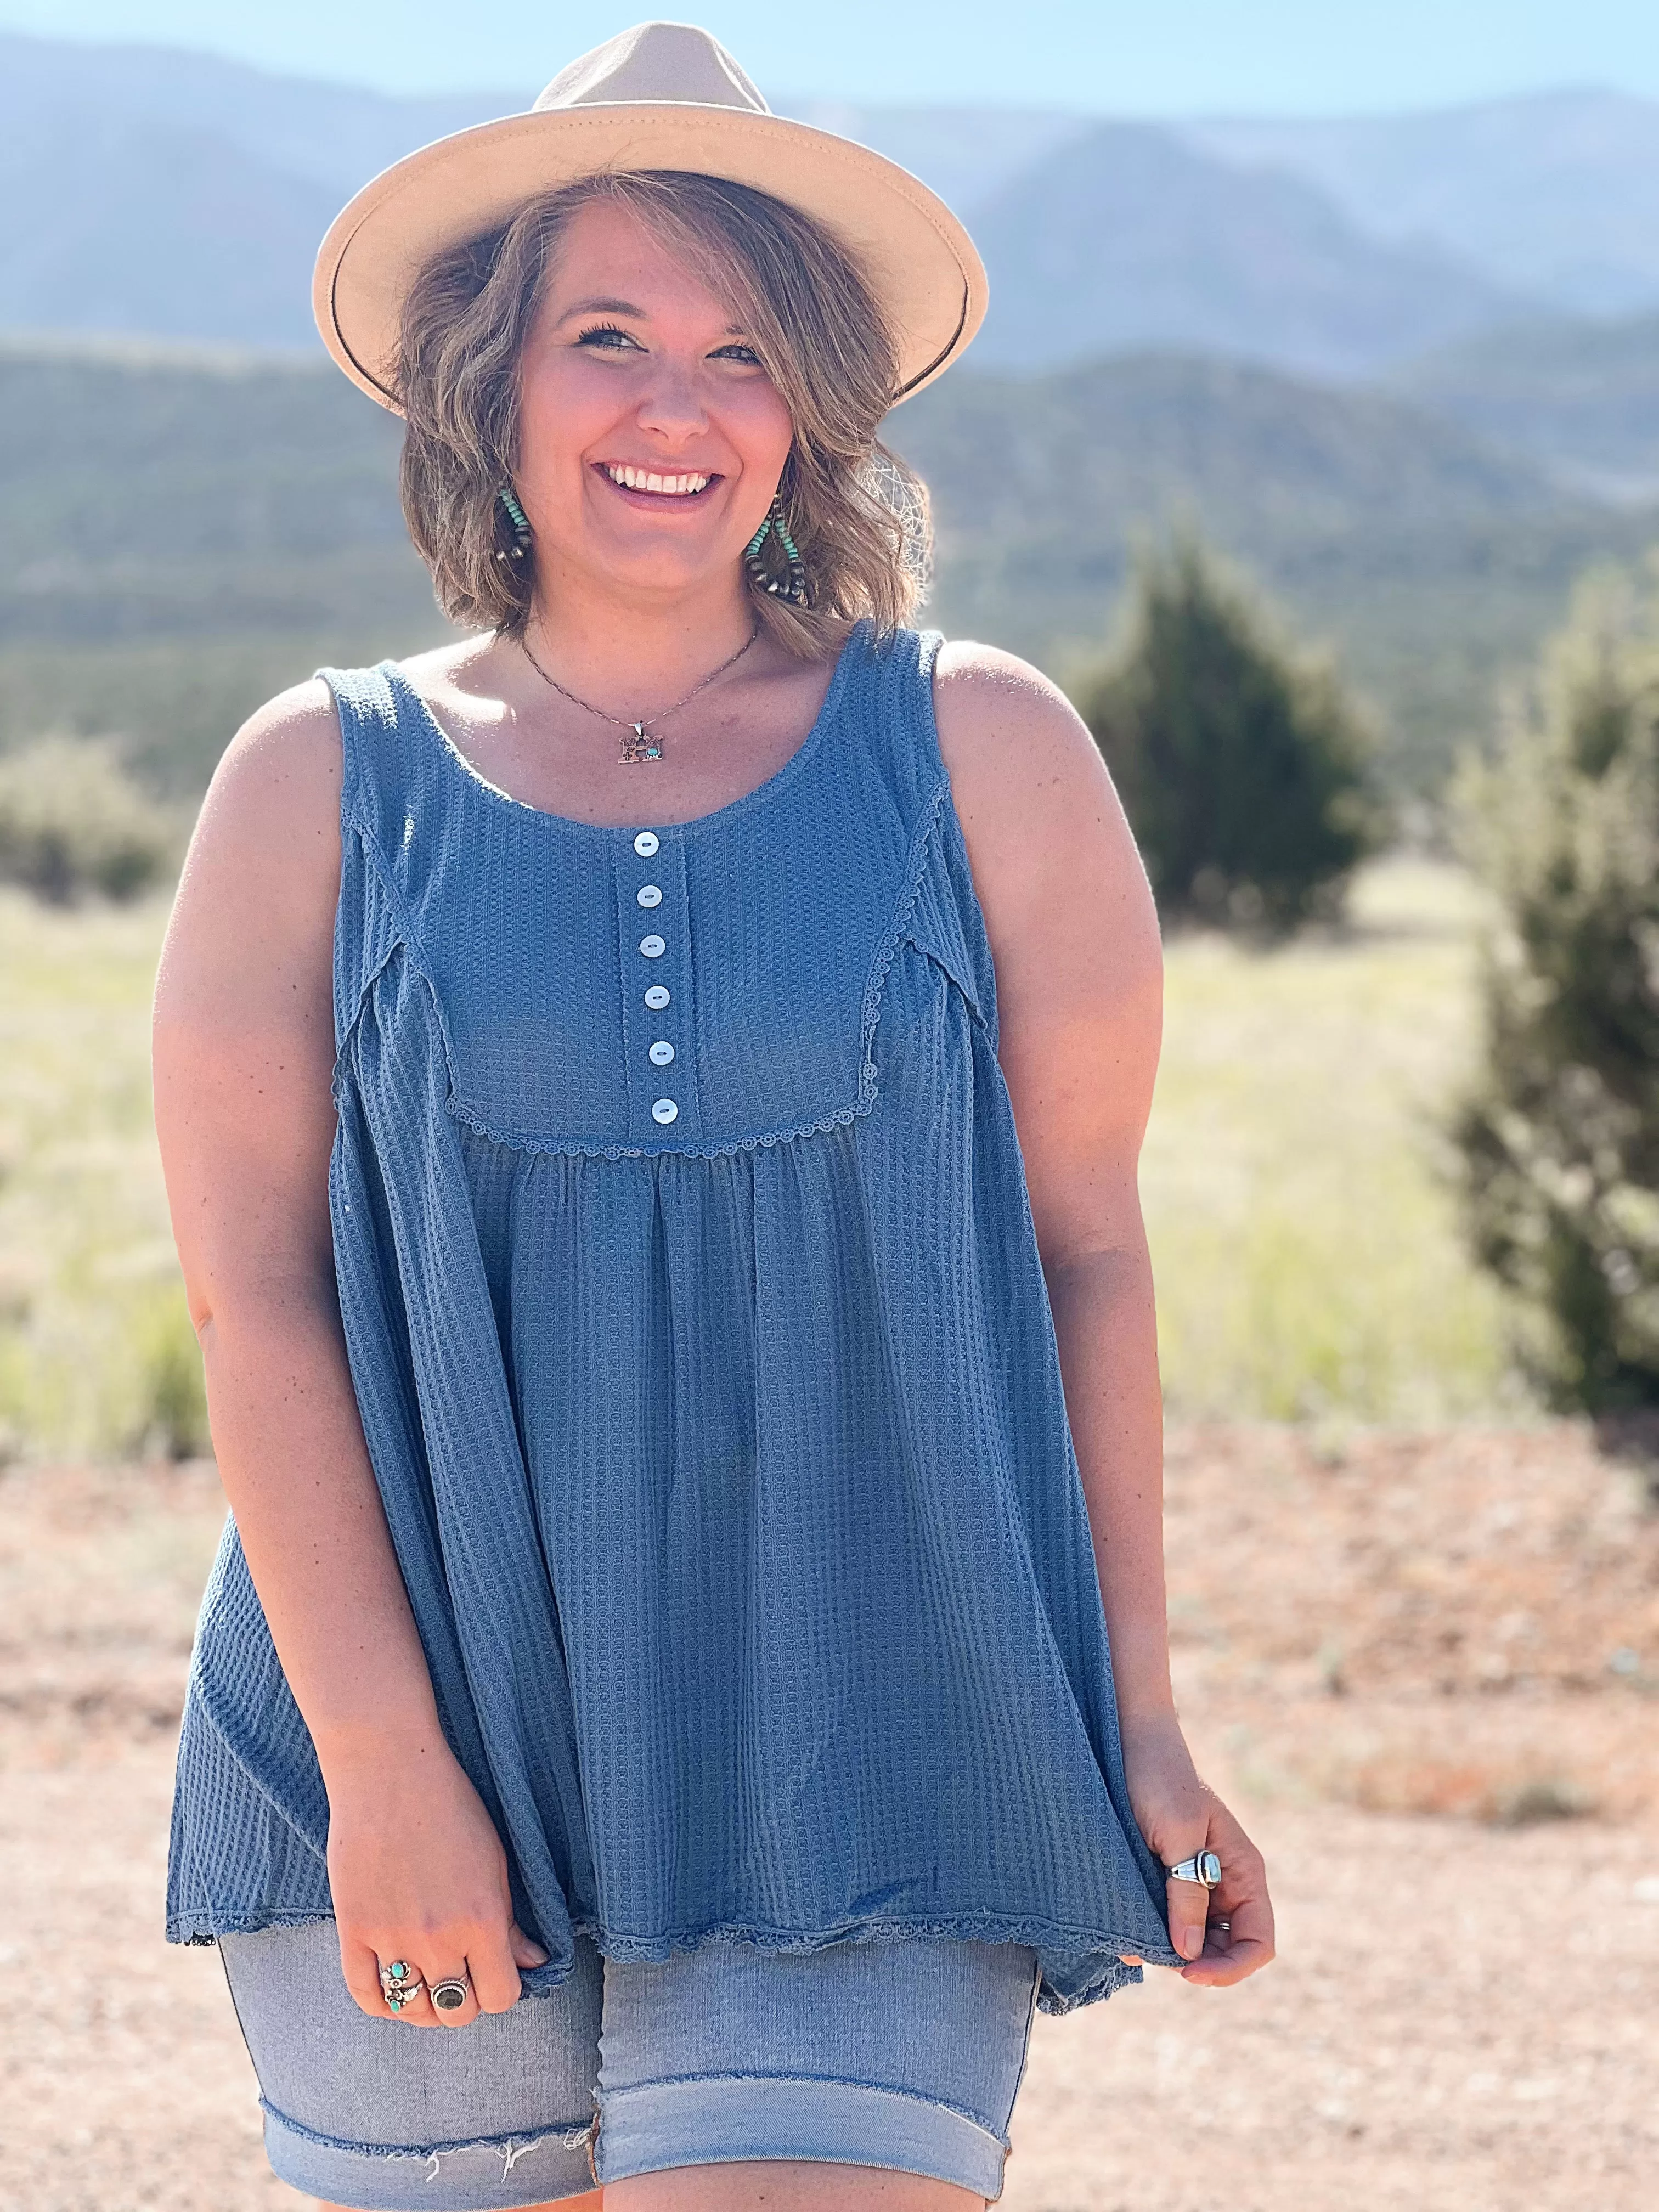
pixel 887 712
pixel 381 791
pixel 376 747
pixel 943 917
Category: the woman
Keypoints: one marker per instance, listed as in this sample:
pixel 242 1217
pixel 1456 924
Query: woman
pixel 588 1062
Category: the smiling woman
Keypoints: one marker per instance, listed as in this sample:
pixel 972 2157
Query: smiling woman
pixel 650 1096
pixel 790 342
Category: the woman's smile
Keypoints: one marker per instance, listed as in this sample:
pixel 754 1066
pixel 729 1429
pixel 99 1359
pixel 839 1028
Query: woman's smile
pixel 654 487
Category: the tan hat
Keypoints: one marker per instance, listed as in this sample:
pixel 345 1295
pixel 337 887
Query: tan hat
pixel 660 96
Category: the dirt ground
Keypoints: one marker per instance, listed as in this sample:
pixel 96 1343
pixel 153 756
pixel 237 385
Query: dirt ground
pixel 1427 1668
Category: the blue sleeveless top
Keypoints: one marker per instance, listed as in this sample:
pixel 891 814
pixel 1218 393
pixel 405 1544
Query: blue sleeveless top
pixel 705 1360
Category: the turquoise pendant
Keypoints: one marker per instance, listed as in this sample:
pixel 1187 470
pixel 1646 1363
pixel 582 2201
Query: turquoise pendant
pixel 637 746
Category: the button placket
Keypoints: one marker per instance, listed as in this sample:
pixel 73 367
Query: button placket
pixel 654 934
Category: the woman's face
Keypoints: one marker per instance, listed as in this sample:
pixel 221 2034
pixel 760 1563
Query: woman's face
pixel 651 440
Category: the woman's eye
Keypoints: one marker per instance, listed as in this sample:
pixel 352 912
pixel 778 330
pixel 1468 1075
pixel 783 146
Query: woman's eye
pixel 736 352
pixel 607 338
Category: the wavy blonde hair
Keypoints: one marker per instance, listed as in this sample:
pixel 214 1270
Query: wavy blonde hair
pixel 857 513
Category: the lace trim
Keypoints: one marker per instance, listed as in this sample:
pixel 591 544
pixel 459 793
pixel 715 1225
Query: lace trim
pixel 200 1928
pixel 520 1140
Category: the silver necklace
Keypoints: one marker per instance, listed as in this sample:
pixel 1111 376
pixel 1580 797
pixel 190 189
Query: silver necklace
pixel 640 742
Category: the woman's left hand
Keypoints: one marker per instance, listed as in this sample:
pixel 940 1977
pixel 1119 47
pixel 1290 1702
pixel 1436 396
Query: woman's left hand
pixel 1224 1934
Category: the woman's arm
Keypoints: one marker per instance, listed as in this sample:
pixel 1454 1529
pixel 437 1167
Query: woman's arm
pixel 244 1051
pixel 1080 989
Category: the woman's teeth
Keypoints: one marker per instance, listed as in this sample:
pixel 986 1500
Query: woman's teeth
pixel 642 480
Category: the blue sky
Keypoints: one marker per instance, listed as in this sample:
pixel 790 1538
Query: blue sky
pixel 1127 57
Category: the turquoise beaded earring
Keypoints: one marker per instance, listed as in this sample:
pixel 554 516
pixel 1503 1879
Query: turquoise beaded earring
pixel 518 522
pixel 792 585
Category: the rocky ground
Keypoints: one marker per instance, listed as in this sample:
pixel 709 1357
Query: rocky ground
pixel 1426 1668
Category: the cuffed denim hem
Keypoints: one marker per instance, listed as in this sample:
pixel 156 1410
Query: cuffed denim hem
pixel 464 2177
pixel 720 2119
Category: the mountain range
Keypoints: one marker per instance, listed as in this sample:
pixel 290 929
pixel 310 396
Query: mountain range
pixel 1355 356
pixel 197 189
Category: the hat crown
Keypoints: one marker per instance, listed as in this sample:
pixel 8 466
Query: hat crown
pixel 659 62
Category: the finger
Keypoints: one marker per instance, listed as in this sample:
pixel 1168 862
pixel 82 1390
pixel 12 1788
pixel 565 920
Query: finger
pixel 1219 1970
pixel 1241 1937
pixel 527 1951
pixel 1190 1911
pixel 494 1970
pixel 361 1969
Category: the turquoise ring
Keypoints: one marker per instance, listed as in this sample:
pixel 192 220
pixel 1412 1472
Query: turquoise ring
pixel 399 1985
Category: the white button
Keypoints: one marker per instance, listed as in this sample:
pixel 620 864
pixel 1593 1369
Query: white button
pixel 649 895
pixel 646 843
pixel 661 1052
pixel 653 947
pixel 656 997
pixel 664 1110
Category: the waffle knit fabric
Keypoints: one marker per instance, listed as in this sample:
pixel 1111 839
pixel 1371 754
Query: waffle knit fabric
pixel 724 1451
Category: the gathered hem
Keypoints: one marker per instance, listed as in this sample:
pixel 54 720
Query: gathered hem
pixel 1089 1960
pixel 1094 1957
pixel 200 1926
pixel 1052 1939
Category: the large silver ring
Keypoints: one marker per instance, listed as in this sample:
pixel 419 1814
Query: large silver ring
pixel 450 1994
pixel 1203 1866
pixel 399 1985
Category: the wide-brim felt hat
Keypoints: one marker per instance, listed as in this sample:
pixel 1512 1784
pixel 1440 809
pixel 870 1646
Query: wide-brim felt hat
pixel 660 96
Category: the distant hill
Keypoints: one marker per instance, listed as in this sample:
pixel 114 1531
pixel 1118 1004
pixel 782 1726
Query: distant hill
pixel 1580 398
pixel 1556 194
pixel 334 135
pixel 172 195
pixel 1432 562
pixel 1123 237
pixel 183 533
pixel 966 154
pixel 199 189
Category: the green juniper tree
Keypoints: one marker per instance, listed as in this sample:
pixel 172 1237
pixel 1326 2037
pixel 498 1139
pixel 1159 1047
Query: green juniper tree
pixel 1558 1135
pixel 1242 768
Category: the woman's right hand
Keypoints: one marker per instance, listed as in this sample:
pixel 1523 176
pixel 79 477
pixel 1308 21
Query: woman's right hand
pixel 418 1873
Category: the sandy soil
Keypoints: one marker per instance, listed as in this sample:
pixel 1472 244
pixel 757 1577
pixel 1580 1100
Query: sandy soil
pixel 1426 1668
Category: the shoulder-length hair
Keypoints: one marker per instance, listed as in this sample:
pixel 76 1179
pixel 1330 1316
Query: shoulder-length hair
pixel 856 511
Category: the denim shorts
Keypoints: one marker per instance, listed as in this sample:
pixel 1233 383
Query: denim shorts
pixel 902 2055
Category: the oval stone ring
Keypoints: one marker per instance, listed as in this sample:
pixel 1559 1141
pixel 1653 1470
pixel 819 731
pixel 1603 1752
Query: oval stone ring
pixel 450 1994
pixel 1203 1866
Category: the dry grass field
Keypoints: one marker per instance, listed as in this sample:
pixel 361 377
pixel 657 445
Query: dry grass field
pixel 1308 1259
pixel 1427 1667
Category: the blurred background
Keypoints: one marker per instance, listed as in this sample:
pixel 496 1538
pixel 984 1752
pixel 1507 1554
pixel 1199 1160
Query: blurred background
pixel 1312 442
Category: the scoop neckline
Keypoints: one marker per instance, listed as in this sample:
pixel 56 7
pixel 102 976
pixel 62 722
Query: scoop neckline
pixel 479 782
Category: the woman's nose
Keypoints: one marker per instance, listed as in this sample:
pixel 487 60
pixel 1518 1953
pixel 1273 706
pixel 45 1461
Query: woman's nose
pixel 672 405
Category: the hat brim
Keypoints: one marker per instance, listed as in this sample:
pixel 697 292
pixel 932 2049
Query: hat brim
pixel 917 257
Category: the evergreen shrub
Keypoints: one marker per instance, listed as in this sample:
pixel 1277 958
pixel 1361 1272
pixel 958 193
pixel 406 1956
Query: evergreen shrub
pixel 1243 767
pixel 72 821
pixel 1558 1133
